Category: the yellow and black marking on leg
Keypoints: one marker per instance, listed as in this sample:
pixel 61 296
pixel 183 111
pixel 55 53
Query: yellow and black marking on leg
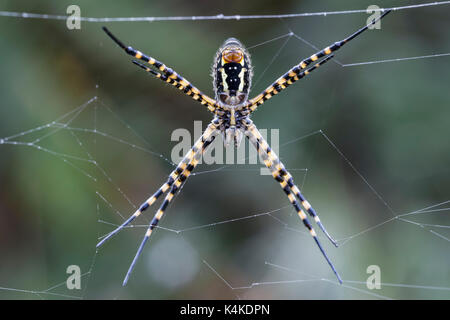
pixel 205 141
pixel 149 202
pixel 280 174
pixel 282 83
pixel 198 149
pixel 167 74
pixel 184 164
pixel 184 85
pixel 137 54
pixel 144 206
pixel 338 44
pixel 295 73
pixel 283 174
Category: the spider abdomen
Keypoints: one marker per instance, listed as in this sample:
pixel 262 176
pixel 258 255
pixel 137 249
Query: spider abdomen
pixel 232 73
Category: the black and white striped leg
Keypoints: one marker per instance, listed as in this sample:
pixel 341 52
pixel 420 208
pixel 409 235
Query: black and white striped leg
pixel 273 163
pixel 200 146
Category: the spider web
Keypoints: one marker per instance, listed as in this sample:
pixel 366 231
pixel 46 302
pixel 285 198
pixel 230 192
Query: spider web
pixel 256 247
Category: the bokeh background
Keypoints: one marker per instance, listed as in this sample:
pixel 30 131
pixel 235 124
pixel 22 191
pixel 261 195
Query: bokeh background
pixel 390 120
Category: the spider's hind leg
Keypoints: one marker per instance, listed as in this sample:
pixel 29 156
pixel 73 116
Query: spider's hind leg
pixel 173 177
pixel 286 176
pixel 280 174
pixel 286 181
pixel 194 156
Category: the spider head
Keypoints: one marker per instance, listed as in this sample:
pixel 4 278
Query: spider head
pixel 232 73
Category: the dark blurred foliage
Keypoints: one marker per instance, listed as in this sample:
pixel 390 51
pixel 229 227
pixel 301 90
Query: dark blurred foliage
pixel 390 120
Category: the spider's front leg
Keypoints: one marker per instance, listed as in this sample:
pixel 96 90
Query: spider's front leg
pixel 194 155
pixel 166 74
pixel 299 71
pixel 198 148
pixel 280 174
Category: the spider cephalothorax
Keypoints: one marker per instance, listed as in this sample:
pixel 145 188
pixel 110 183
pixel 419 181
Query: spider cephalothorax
pixel 232 73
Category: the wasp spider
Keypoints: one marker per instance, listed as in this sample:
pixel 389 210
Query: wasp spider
pixel 232 73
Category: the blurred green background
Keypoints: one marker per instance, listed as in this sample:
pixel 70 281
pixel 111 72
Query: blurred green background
pixel 390 120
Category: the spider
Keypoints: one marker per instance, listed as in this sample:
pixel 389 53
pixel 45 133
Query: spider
pixel 232 74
